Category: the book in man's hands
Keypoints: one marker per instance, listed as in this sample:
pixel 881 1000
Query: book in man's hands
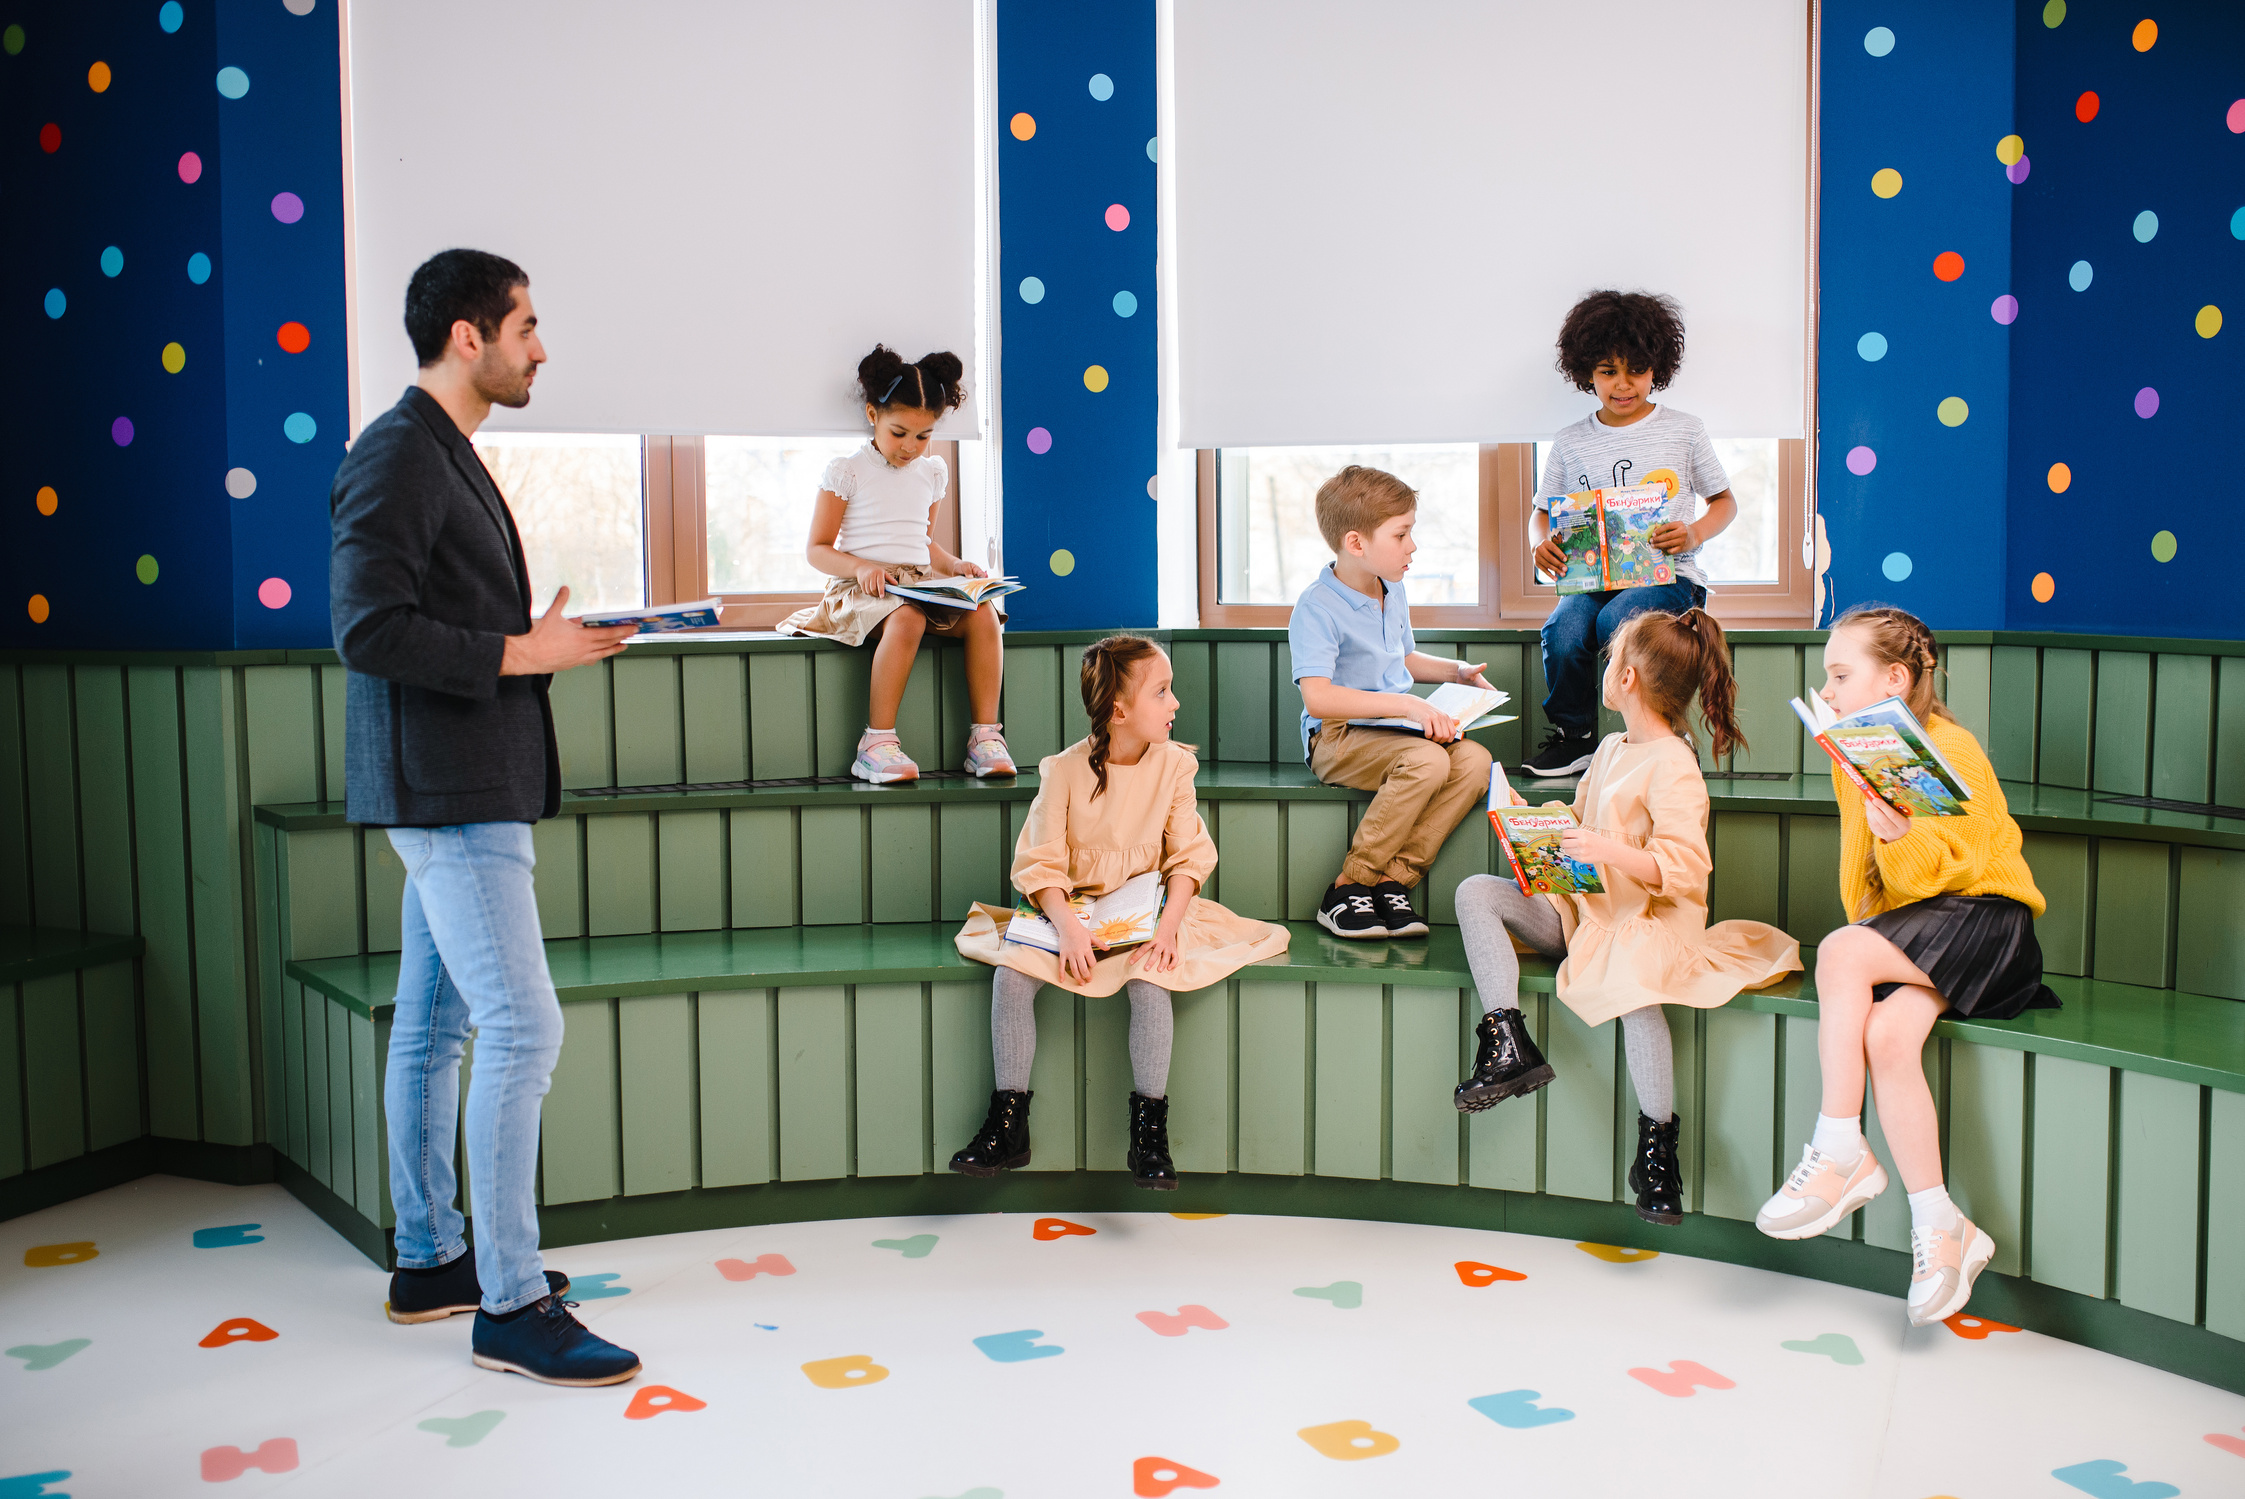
pixel 1888 754
pixel 957 593
pixel 1468 705
pixel 1607 536
pixel 1123 916
pixel 1531 843
pixel 702 614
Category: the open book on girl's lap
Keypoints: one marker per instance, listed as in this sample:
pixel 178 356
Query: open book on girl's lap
pixel 1123 916
pixel 1888 754
pixel 957 593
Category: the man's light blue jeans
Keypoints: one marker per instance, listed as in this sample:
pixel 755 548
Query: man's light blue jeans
pixel 473 960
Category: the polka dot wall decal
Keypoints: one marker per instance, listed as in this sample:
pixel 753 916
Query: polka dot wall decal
pixel 2237 224
pixel 2163 546
pixel 37 608
pixel 2147 403
pixel 2004 309
pixel 2060 478
pixel 233 82
pixel 1095 379
pixel 240 483
pixel 2044 587
pixel 274 593
pixel 1102 87
pixel 1039 440
pixel 2146 227
pixel 1952 411
pixel 2145 36
pixel 46 499
pixel 1896 566
pixel 295 338
pixel 1948 265
pixel 1152 487
pixel 112 261
pixel 190 167
pixel 298 7
pixel 300 427
pixel 175 358
pixel 145 569
pixel 1032 290
pixel 1886 182
pixel 98 76
pixel 57 304
pixel 50 138
pixel 2208 322
pixel 2010 149
pixel 12 40
pixel 1153 148
pixel 2054 14
pixel 1063 563
pixel 2235 119
pixel 198 268
pixel 121 432
pixel 287 207
pixel 1118 217
pixel 2085 107
pixel 2080 275
pixel 1871 346
pixel 1023 126
pixel 1861 461
pixel 169 15
pixel 1126 304
pixel 1878 41
pixel 2016 173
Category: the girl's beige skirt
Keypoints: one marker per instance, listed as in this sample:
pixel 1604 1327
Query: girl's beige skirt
pixel 1211 946
pixel 847 613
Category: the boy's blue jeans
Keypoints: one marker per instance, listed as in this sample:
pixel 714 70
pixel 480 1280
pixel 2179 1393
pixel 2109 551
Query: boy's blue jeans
pixel 1577 633
pixel 473 959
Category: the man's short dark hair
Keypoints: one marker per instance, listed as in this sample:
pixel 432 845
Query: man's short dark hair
pixel 1648 331
pixel 454 286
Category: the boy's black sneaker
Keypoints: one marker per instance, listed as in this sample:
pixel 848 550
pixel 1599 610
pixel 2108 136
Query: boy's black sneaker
pixel 1393 902
pixel 445 1291
pixel 1562 754
pixel 1352 911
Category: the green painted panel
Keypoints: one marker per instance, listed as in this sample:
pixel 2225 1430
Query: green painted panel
pixel 105 838
pixel 1501 1141
pixel 2182 735
pixel 1886 1221
pixel 619 874
pixel 959 1065
pixel 11 1064
pixel 973 859
pixel 714 699
pixel 1802 1076
pixel 334 708
pixel 656 1076
pixel 2229 734
pixel 903 865
pixel 370 1148
pixel 650 748
pixel 691 862
pixel 1578 1107
pixel 1317 840
pixel 2060 863
pixel 323 892
pixel 763 845
pixel 834 881
pixel 1469 850
pixel 1286 706
pixel 952 703
pixel 1192 665
pixel 582 726
pixel 1746 884
pixel 215 811
pixel 343 1156
pixel 558 877
pixel 1987 1173
pixel 2134 913
pixel 2209 938
pixel 1739 1169
pixel 1966 667
pixel 579 1122
pixel 842 681
pixel 1212 887
pixel 384 873
pixel 2012 682
pixel 1107 1083
pixel 1243 701
pixel 919 722
pixel 814 1083
pixel 1074 722
pixel 54 1080
pixel 1055 1143
pixel 112 1055
pixel 2225 1217
pixel 1813 906
pixel 290 1130
pixel 1200 1080
pixel 2156 1239
pixel 739 1118
pixel 2123 722
pixel 15 846
pixel 1503 668
pixel 1274 1100
pixel 1684 1031
pixel 1032 702
pixel 51 796
pixel 1351 1023
pixel 780 722
pixel 318 1157
pixel 892 1093
pixel 281 712
pixel 2072 1138
pixel 1247 844
pixel 1423 1068
pixel 160 869
pixel 1769 677
pixel 2068 704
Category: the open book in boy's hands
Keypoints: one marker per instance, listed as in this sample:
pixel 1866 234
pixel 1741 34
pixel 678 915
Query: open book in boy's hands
pixel 957 593
pixel 1468 705
pixel 1888 754
pixel 1607 536
pixel 1125 915
pixel 702 614
pixel 1531 843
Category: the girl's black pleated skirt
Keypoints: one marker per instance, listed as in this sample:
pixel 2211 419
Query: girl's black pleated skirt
pixel 1979 950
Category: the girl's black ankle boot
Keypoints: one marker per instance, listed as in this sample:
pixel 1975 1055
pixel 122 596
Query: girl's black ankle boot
pixel 1653 1175
pixel 1505 1065
pixel 1002 1144
pixel 1149 1161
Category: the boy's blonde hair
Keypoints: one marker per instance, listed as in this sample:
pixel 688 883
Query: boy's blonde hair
pixel 1362 500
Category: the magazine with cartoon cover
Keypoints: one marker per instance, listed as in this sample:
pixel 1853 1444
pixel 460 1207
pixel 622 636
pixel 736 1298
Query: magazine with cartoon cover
pixel 1888 753
pixel 1122 917
pixel 1531 841
pixel 1630 515
pixel 1574 525
pixel 701 614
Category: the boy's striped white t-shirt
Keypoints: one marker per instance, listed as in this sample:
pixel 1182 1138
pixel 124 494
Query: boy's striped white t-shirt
pixel 1591 455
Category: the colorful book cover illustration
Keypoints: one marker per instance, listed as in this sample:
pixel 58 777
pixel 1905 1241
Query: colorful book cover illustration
pixel 1607 537
pixel 957 593
pixel 1888 754
pixel 1122 917
pixel 1531 842
pixel 702 614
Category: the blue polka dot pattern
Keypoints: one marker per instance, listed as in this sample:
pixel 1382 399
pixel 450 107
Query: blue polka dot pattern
pixel 1878 41
pixel 198 268
pixel 2237 224
pixel 1896 566
pixel 1153 153
pixel 300 427
pixel 1032 290
pixel 1872 346
pixel 2145 227
pixel 57 303
pixel 112 261
pixel 1126 304
pixel 1102 87
pixel 233 82
pixel 2080 276
pixel 169 15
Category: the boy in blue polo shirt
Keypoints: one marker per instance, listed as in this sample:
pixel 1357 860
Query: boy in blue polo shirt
pixel 1354 658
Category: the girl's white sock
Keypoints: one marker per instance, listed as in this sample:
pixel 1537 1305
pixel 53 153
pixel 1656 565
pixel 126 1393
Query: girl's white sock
pixel 1932 1208
pixel 980 731
pixel 1841 1139
pixel 874 736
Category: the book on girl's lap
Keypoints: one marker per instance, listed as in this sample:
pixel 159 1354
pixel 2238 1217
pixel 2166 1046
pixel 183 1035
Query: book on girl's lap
pixel 1607 536
pixel 702 614
pixel 957 593
pixel 1530 836
pixel 1123 916
pixel 1468 705
pixel 1888 754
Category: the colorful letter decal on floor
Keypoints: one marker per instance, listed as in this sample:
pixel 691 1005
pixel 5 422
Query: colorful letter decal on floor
pixel 1187 1317
pixel 1348 1295
pixel 237 1330
pixel 1975 1328
pixel 232 1236
pixel 1679 1378
pixel 1058 1228
pixel 2235 1446
pixel 1615 1254
pixel 2106 1479
pixel 222 1464
pixel 763 1264
pixel 1836 1346
pixel 1518 1409
pixel 1014 1347
pixel 39 1256
pixel 845 1373
pixel 1196 1217
pixel 34 1485
pixel 659 1399
pixel 914 1248
pixel 1474 1273
pixel 1154 1476
pixel 37 1356
pixel 1349 1440
pixel 597 1287
pixel 463 1431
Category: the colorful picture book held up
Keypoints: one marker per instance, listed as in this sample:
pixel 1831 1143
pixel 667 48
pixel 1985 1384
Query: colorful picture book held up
pixel 1125 915
pixel 957 593
pixel 1888 754
pixel 1530 836
pixel 1470 706
pixel 1607 536
pixel 702 614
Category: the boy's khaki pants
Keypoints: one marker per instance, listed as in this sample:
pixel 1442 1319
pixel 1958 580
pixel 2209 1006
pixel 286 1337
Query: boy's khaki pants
pixel 1423 791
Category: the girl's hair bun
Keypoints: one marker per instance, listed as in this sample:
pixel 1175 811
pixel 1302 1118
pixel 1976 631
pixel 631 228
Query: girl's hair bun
pixel 885 381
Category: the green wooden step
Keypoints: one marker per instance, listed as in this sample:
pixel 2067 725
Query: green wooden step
pixel 30 952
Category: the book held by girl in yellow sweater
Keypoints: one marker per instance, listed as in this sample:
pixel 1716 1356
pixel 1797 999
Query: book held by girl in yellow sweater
pixel 1888 754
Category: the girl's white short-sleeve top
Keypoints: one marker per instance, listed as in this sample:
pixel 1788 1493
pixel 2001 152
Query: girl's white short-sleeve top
pixel 887 510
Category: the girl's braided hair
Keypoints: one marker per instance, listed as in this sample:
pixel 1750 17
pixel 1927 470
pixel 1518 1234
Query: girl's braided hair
pixel 1895 637
pixel 1106 674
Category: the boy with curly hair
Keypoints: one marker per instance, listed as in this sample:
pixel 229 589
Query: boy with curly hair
pixel 1620 346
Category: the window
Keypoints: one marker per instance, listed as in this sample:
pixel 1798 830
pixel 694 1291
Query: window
pixel 577 504
pixel 1268 545
pixel 758 495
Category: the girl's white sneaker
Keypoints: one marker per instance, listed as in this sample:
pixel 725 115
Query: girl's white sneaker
pixel 1819 1193
pixel 1944 1262
pixel 987 755
pixel 883 761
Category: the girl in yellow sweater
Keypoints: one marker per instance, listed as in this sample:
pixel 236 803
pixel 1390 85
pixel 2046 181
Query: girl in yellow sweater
pixel 1943 911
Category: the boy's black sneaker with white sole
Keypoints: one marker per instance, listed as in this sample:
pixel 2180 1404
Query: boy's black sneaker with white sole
pixel 1351 911
pixel 1393 902
pixel 1562 754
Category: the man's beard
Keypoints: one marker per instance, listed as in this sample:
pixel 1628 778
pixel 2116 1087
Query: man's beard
pixel 502 386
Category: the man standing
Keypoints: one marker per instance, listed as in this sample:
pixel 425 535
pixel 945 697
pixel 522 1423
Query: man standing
pixel 449 747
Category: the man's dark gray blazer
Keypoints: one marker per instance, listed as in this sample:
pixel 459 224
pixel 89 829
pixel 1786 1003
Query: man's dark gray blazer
pixel 426 581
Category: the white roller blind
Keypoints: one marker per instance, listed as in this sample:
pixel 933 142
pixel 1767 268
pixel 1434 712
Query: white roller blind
pixel 722 204
pixel 1384 211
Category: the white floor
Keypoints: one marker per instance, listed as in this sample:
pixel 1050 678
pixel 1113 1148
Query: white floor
pixel 1376 1387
